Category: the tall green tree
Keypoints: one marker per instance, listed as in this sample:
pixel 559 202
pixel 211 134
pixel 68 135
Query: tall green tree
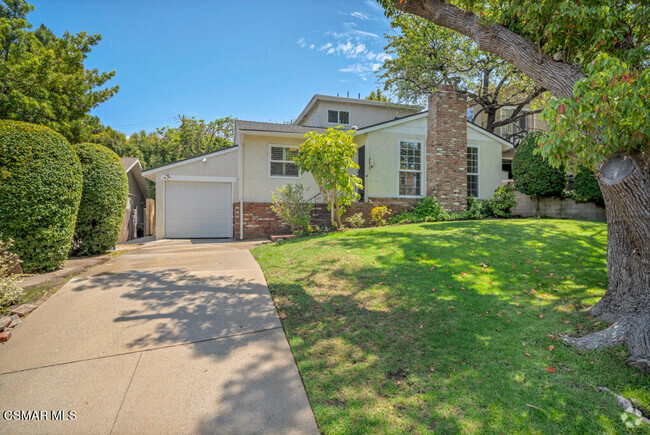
pixel 378 96
pixel 593 57
pixel 43 79
pixel 424 56
pixel 191 138
pixel 329 157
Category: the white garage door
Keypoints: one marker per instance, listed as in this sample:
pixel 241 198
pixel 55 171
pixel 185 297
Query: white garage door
pixel 198 210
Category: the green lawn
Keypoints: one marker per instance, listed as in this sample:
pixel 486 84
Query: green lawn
pixel 451 327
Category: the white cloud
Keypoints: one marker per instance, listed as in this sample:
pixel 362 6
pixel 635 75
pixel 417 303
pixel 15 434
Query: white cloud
pixel 325 47
pixel 351 32
pixel 357 68
pixel 381 57
pixel 362 33
pixel 331 50
pixel 360 15
pixel 374 5
pixel 311 46
pixel 301 42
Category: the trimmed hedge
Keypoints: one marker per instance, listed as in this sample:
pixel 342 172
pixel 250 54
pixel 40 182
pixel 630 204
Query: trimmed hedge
pixel 40 189
pixel 532 175
pixel 586 187
pixel 103 201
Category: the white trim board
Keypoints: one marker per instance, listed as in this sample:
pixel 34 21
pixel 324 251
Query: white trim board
pixel 199 179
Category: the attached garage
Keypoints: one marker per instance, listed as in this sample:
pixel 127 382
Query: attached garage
pixel 198 209
pixel 195 197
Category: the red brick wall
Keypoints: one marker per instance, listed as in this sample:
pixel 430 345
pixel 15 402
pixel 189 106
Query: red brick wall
pixel 447 148
pixel 261 222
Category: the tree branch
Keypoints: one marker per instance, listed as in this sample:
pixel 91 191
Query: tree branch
pixel 558 77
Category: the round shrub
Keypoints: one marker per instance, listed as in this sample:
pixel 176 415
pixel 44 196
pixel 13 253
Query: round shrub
pixel 503 201
pixel 103 201
pixel 586 186
pixel 40 188
pixel 532 175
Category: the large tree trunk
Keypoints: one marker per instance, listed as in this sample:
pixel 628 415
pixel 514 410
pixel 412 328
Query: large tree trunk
pixel 625 183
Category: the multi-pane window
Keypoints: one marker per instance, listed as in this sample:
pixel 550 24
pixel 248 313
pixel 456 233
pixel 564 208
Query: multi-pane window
pixel 338 117
pixel 472 171
pixel 282 161
pixel 410 168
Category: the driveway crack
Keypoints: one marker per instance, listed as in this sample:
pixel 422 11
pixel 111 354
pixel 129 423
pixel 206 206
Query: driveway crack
pixel 126 392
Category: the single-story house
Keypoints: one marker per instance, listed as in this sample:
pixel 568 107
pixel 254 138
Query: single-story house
pixel 134 217
pixel 404 154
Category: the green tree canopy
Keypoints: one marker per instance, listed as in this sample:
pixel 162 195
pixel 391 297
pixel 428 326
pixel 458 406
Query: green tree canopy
pixel 192 137
pixel 424 56
pixel 329 157
pixel 43 79
pixel 378 96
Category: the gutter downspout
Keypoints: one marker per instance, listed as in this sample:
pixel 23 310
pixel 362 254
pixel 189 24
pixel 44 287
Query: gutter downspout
pixel 240 184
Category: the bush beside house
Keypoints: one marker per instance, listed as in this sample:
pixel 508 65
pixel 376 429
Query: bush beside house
pixel 40 190
pixel 290 207
pixel 586 187
pixel 103 201
pixel 532 175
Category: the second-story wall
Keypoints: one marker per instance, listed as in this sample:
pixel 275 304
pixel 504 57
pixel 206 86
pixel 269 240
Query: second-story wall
pixel 361 115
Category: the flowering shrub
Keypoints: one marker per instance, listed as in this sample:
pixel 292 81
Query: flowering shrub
pixel 379 215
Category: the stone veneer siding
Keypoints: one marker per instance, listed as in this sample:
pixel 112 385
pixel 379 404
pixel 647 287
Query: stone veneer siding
pixel 447 148
pixel 261 222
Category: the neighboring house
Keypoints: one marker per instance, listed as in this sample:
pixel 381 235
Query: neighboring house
pixel 134 216
pixel 513 132
pixel 403 154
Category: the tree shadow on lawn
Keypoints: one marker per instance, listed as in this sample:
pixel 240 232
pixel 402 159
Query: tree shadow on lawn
pixel 379 350
pixel 225 318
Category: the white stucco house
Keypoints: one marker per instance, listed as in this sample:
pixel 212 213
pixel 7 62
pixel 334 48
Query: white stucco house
pixel 404 153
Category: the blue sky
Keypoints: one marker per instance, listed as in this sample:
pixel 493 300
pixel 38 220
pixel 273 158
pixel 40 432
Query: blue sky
pixel 255 60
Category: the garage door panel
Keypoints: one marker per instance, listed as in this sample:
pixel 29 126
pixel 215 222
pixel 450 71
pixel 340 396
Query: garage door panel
pixel 198 209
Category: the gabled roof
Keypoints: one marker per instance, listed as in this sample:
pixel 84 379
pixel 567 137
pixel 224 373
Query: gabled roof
pixel 391 122
pixel 132 165
pixel 275 128
pixel 320 97
pixel 129 163
pixel 149 172
pixel 470 125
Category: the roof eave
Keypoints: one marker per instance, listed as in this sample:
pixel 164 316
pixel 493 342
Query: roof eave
pixel 149 172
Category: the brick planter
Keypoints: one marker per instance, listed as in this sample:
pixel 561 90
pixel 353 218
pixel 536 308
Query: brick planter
pixel 261 222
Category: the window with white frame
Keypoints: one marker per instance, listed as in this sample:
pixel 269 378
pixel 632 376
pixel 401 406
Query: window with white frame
pixel 282 163
pixel 472 171
pixel 410 168
pixel 338 117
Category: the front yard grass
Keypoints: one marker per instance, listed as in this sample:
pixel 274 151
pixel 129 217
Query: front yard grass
pixel 452 326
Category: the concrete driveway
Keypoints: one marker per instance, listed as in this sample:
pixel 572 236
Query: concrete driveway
pixel 178 336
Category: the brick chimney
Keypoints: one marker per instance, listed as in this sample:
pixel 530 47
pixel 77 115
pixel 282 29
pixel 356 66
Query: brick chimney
pixel 447 147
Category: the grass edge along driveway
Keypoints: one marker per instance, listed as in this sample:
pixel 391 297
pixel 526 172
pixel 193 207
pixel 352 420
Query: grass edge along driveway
pixel 452 326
